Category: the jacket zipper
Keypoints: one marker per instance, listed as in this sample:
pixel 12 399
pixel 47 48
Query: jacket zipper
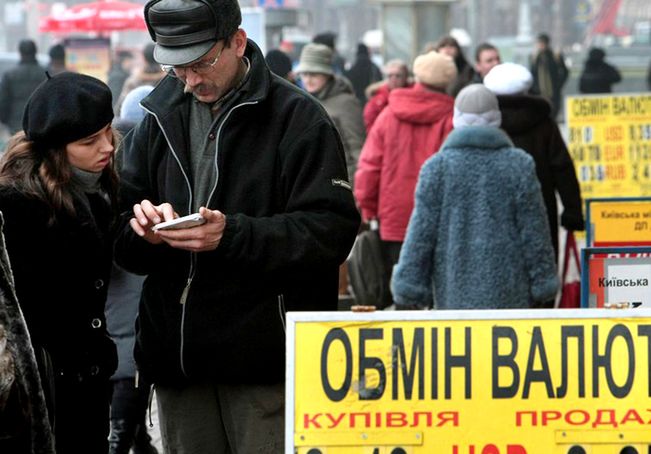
pixel 184 298
pixel 218 135
pixel 186 289
pixel 281 310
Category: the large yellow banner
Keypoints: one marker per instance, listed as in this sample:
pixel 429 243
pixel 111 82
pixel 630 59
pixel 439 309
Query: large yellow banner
pixel 469 382
pixel 610 143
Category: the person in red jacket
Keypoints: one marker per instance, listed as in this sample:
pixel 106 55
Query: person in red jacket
pixel 396 73
pixel 409 130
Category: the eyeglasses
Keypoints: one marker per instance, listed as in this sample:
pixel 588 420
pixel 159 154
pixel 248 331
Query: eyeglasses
pixel 202 67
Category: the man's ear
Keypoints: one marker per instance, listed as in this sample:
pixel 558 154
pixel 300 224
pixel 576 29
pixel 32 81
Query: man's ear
pixel 239 40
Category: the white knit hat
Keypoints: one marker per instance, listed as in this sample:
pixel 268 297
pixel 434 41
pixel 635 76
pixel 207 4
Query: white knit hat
pixel 508 79
pixel 434 69
pixel 476 105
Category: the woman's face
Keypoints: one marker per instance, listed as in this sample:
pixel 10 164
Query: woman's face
pixel 314 82
pixel 449 50
pixel 92 153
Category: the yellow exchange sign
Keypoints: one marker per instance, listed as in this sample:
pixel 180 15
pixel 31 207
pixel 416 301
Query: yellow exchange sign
pixel 609 139
pixel 469 382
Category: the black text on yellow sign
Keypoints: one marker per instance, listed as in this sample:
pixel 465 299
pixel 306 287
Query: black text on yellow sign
pixel 609 140
pixel 459 387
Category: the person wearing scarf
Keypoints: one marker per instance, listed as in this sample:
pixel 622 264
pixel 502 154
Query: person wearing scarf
pixel 58 197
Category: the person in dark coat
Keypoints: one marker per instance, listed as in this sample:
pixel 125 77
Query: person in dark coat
pixel 57 54
pixel 598 76
pixel 17 85
pixel 363 73
pixel 58 196
pixel 279 63
pixel 118 74
pixel 527 120
pixel 260 160
pixel 549 73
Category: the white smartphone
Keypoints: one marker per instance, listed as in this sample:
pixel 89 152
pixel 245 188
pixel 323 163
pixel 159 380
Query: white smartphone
pixel 185 222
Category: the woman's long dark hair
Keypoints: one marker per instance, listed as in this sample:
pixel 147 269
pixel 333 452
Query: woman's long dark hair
pixel 45 175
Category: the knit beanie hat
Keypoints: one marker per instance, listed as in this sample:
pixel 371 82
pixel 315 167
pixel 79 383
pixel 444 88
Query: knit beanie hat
pixel 130 109
pixel 65 108
pixel 476 105
pixel 434 69
pixel 508 79
pixel 315 58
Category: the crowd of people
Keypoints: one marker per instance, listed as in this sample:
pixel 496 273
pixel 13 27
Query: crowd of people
pixel 459 164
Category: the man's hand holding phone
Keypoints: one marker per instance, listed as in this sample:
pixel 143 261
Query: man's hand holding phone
pixel 185 222
pixel 196 233
pixel 146 215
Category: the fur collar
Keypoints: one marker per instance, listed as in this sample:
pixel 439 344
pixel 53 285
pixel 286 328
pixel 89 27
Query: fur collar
pixel 481 137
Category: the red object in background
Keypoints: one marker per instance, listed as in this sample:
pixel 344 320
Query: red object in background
pixel 571 291
pixel 605 20
pixel 99 16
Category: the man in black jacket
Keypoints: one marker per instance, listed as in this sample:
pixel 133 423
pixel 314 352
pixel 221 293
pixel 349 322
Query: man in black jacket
pixel 262 162
pixel 17 85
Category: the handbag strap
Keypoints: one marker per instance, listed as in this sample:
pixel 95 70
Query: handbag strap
pixel 570 248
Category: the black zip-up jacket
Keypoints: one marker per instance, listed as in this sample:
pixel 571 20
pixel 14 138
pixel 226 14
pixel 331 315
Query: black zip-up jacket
pixel 290 221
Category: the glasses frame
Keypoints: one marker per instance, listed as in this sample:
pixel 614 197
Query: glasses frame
pixel 201 67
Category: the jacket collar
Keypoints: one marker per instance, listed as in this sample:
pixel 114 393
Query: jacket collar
pixel 168 94
pixel 478 137
pixel 171 106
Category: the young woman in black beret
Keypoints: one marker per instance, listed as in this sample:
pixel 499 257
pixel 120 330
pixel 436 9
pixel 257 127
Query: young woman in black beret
pixel 58 197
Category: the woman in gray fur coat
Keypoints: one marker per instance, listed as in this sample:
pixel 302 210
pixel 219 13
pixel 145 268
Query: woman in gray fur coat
pixel 478 237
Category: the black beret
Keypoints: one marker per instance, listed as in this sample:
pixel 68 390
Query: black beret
pixel 65 108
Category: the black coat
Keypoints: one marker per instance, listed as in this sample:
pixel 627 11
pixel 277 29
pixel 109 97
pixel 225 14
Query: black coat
pixel 16 86
pixel 61 275
pixel 598 77
pixel 362 74
pixel 290 222
pixel 527 121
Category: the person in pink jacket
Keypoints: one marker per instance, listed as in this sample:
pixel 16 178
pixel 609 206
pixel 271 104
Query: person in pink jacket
pixel 408 131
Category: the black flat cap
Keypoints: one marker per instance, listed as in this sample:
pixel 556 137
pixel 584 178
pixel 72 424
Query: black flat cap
pixel 185 30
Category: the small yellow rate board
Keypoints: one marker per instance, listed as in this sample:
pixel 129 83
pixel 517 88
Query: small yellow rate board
pixel 609 140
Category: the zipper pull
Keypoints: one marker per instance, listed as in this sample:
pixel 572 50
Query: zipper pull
pixel 186 290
